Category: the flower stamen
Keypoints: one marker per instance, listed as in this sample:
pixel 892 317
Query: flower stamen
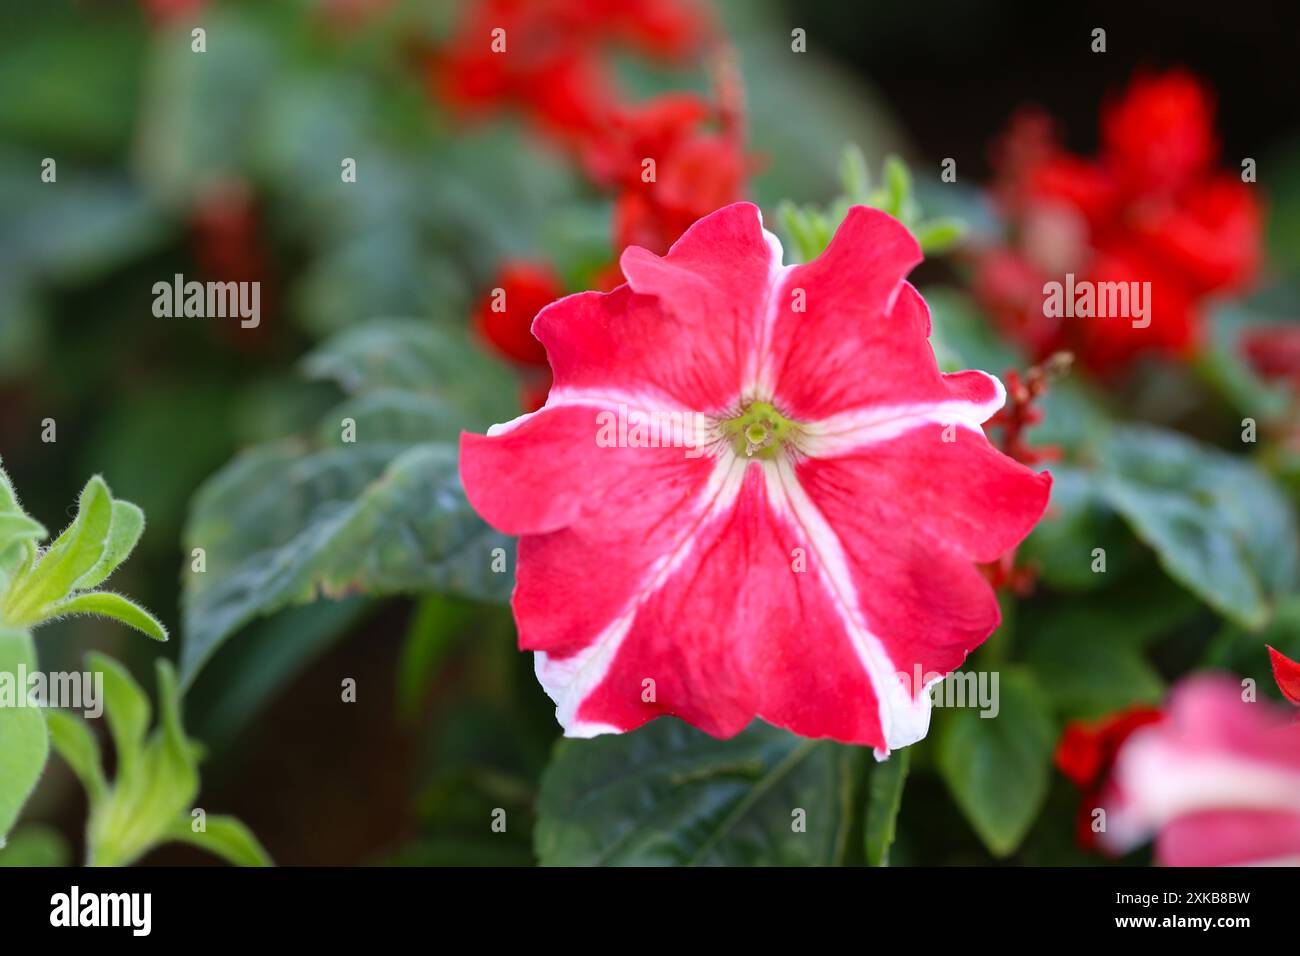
pixel 760 430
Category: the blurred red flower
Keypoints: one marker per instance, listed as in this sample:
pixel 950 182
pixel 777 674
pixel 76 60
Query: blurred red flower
pixel 1085 754
pixel 1149 208
pixel 1217 782
pixel 545 57
pixel 698 175
pixel 668 161
pixel 1274 351
pixel 504 319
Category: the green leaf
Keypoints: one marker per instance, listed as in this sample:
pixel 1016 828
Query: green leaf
pixel 1134 610
pixel 416 357
pixel 36 589
pixel 1078 521
pixel 1218 525
pixel 150 792
pixel 1094 677
pixel 668 794
pixel 157 779
pixel 998 768
pixel 380 515
pixel 18 528
pixel 940 235
pixel 35 845
pixel 199 115
pixel 73 554
pixel 108 604
pixel 125 528
pixel 24 742
pixel 855 175
pixel 884 797
pixel 76 744
pixel 225 837
pixel 126 708
pixel 435 626
pixel 336 523
pixel 898 187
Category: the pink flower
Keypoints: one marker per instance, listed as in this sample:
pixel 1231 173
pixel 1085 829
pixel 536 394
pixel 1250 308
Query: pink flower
pixel 1086 753
pixel 1218 780
pixel 810 549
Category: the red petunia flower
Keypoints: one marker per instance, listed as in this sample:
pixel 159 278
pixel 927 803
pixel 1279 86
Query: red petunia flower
pixel 1086 752
pixel 1287 674
pixel 751 492
pixel 1148 210
pixel 1218 782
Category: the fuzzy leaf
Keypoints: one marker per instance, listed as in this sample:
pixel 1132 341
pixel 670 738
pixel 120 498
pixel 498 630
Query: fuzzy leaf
pixel 74 553
pixel 225 837
pixel 125 529
pixel 150 792
pixel 76 744
pixel 24 742
pixel 119 608
pixel 126 708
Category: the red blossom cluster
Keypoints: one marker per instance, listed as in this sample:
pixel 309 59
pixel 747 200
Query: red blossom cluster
pixel 1150 208
pixel 667 162
pixel 548 58
pixel 1086 753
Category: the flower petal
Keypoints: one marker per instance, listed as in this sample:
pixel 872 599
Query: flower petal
pixel 1215 752
pixel 1287 674
pixel 714 284
pixel 726 630
pixel 1231 838
pixel 835 340
pixel 545 470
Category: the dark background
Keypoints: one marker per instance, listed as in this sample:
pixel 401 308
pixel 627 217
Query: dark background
pixel 954 69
